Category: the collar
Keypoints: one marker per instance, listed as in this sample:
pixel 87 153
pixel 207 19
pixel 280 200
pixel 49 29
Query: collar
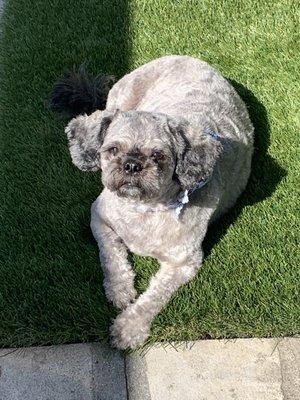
pixel 183 196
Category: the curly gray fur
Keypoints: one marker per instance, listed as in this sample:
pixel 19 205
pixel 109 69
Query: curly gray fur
pixel 155 120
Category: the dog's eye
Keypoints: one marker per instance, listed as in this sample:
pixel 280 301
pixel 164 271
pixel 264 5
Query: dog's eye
pixel 113 150
pixel 158 156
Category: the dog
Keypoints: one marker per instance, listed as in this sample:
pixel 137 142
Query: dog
pixel 174 144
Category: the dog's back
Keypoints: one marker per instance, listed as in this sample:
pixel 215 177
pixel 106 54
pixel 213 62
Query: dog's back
pixel 187 87
pixel 178 86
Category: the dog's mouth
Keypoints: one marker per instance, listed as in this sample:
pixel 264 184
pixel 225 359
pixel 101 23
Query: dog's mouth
pixel 139 187
pixel 129 189
pixel 128 184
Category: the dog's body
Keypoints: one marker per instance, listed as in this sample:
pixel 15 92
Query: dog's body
pixel 179 123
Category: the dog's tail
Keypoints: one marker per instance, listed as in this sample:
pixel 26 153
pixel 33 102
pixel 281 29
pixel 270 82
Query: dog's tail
pixel 78 92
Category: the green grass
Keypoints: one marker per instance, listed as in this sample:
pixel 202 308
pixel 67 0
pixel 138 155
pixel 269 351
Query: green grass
pixel 50 280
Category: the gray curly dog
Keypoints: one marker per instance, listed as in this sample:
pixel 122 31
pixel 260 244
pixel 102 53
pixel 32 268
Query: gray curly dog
pixel 174 145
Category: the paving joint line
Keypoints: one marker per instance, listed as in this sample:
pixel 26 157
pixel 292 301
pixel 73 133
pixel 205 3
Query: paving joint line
pixel 126 378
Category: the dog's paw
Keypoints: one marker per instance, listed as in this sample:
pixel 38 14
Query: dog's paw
pixel 129 329
pixel 121 296
pixel 124 298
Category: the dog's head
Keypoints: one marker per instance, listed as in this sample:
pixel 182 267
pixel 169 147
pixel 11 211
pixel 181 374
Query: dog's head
pixel 141 154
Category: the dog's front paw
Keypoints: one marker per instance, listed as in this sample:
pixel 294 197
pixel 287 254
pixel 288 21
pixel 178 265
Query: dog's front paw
pixel 129 329
pixel 124 298
pixel 121 295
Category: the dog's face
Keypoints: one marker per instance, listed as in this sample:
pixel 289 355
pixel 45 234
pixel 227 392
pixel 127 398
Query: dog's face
pixel 136 156
pixel 142 155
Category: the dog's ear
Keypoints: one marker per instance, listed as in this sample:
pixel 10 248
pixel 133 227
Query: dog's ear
pixel 196 153
pixel 86 134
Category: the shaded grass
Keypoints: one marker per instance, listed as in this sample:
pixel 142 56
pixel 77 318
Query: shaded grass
pixel 50 282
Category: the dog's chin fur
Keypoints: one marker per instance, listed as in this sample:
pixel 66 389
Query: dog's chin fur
pixel 140 188
pixel 135 192
pixel 130 191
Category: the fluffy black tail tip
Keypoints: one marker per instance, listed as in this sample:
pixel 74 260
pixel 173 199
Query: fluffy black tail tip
pixel 78 92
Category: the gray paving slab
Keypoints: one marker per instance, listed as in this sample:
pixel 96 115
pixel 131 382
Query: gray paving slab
pixel 244 369
pixel 109 379
pixel 69 372
pixel 137 378
pixel 289 353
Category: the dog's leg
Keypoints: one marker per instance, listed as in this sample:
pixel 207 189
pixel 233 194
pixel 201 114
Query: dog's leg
pixel 131 328
pixel 118 274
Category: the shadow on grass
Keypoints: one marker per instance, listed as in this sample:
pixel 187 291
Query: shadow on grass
pixel 266 173
pixel 50 280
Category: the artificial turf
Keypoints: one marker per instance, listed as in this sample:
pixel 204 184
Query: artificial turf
pixel 50 280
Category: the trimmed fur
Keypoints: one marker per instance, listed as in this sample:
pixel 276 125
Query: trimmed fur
pixel 165 107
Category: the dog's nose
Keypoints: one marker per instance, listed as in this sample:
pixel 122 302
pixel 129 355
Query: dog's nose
pixel 132 167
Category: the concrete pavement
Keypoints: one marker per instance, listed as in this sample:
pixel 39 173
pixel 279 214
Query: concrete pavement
pixel 67 372
pixel 243 369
